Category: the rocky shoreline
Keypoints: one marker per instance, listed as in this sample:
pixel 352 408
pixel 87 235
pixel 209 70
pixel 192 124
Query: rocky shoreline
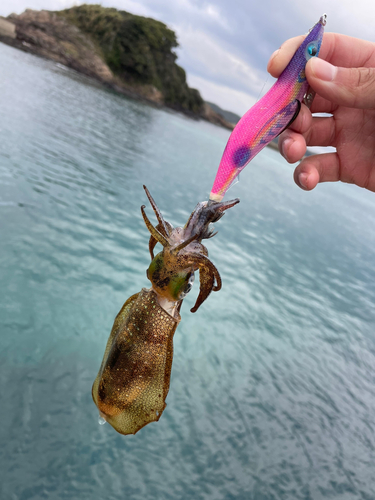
pixel 48 34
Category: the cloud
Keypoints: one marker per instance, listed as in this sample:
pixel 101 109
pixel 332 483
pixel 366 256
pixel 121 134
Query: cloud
pixel 225 44
pixel 189 12
pixel 227 98
pixel 207 12
pixel 18 6
pixel 344 16
pixel 213 12
pixel 205 57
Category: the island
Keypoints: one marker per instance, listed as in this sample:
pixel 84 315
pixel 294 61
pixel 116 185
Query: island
pixel 130 54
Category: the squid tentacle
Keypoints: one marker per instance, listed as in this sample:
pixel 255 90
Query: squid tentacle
pixel 202 261
pixel 184 244
pixel 153 241
pixel 163 225
pixel 154 232
pixel 208 274
pixel 206 285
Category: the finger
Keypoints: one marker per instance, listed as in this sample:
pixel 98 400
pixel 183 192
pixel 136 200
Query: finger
pixel 317 168
pixel 346 51
pixel 340 50
pixel 327 168
pixel 321 105
pixel 351 87
pixel 303 121
pixel 292 146
pixel 292 143
pixel 306 177
pixel 322 132
pixel 281 57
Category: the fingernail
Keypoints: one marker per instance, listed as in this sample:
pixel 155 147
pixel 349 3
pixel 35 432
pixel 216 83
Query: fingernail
pixel 302 179
pixel 274 54
pixel 285 145
pixel 272 58
pixel 322 69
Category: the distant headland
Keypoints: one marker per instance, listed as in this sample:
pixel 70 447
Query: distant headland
pixel 131 54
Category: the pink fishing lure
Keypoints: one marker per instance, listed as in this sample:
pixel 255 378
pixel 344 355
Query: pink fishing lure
pixel 269 116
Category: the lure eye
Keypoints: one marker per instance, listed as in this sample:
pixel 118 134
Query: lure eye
pixel 311 50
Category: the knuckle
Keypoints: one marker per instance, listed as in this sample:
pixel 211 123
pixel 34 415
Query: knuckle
pixel 366 77
pixel 362 86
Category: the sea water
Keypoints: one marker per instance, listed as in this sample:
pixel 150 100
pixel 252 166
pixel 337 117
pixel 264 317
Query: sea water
pixel 273 385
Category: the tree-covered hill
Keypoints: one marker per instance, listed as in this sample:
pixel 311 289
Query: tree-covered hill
pixel 130 54
pixel 138 50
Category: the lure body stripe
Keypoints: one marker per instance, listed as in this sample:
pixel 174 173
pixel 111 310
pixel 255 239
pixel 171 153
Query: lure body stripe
pixel 269 116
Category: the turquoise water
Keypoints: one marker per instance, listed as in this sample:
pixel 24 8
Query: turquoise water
pixel 273 384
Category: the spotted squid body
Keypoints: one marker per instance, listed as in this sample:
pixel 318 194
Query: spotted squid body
pixel 269 116
pixel 133 379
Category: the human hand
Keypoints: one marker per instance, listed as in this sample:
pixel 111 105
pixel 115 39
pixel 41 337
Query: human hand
pixel 343 78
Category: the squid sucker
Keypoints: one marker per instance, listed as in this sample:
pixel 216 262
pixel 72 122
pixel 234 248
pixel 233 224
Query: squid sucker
pixel 133 380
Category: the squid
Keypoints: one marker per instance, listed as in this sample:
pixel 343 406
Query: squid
pixel 134 377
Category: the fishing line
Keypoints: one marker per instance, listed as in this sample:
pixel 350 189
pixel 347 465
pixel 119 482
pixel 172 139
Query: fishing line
pixel 262 89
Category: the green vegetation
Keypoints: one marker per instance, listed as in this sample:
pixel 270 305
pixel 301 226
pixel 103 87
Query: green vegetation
pixel 138 50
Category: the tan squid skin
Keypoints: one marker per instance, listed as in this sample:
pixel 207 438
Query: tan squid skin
pixel 133 380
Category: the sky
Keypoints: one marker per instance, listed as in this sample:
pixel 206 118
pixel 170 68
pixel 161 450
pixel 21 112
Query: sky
pixel 225 44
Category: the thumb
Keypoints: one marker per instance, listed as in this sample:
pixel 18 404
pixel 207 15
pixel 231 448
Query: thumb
pixel 350 87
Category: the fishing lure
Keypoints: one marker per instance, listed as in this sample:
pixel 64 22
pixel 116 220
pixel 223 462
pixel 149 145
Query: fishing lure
pixel 269 116
pixel 133 379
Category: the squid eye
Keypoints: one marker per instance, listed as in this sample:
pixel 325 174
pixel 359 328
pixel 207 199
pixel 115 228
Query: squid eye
pixel 311 50
pixel 188 286
pixel 181 284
